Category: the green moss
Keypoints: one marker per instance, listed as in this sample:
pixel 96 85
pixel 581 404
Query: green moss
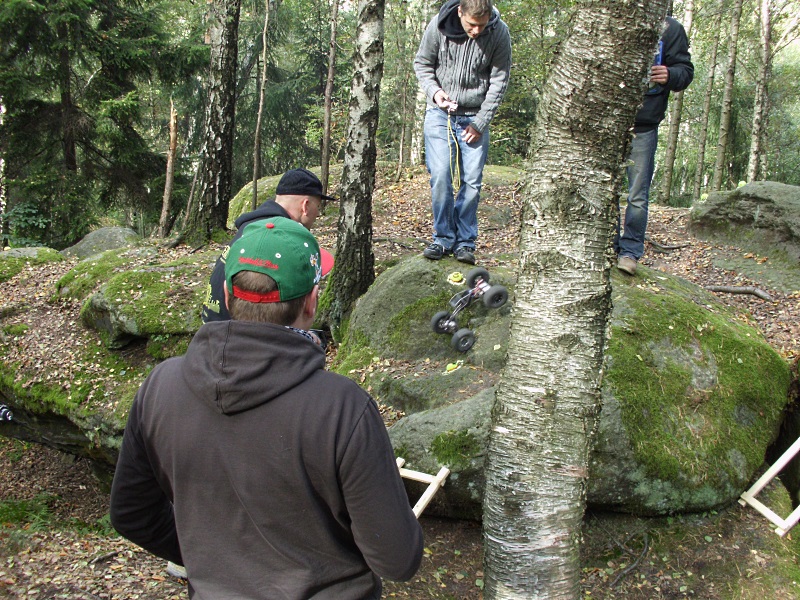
pixel 353 357
pixel 18 329
pixel 81 398
pixel 651 353
pixel 166 346
pixel 416 318
pixel 455 449
pixel 88 275
pixel 156 299
pixel 12 266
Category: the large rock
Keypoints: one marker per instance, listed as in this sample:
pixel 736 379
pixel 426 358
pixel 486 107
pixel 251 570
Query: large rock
pixel 100 240
pixel 762 216
pixel 691 399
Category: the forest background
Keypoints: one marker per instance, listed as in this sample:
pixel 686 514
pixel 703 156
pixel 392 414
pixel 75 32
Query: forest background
pixel 87 88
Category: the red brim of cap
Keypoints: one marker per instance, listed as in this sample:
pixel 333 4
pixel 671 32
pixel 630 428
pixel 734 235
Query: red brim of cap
pixel 327 261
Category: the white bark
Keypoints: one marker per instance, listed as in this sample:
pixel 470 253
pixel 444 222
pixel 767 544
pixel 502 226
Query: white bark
pixel 549 397
pixel 355 260
pixel 326 119
pixel 262 88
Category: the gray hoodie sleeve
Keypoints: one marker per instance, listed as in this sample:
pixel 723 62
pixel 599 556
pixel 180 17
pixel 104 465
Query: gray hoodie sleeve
pixel 426 60
pixel 498 78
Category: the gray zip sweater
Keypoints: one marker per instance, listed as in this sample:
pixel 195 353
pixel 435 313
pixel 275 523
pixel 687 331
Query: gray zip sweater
pixel 473 72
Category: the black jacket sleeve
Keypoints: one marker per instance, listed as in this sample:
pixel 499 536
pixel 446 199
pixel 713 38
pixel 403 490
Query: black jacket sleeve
pixel 140 510
pixel 676 56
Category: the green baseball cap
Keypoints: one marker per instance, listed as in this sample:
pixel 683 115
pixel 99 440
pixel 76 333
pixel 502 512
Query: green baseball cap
pixel 282 249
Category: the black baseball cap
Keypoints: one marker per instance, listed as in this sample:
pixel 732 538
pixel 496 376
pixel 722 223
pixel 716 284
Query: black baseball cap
pixel 301 182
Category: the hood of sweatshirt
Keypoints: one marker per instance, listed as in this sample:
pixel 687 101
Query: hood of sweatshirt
pixel 235 366
pixel 450 23
pixel 268 209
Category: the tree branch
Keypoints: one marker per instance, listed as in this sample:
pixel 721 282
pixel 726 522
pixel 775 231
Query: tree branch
pixel 740 289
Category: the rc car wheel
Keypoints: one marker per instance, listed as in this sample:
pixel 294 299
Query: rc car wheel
pixel 473 275
pixel 495 296
pixel 440 322
pixel 463 340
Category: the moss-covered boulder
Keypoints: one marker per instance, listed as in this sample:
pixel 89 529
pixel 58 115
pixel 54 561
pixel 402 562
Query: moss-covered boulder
pixel 762 216
pixel 14 260
pixel 149 301
pixel 102 239
pixel 693 395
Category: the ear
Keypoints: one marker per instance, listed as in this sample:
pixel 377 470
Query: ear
pixel 310 305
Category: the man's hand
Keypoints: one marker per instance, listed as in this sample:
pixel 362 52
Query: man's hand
pixel 443 101
pixel 471 135
pixel 659 74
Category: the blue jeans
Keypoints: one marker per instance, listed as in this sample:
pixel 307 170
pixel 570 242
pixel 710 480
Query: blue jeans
pixel 455 221
pixel 640 175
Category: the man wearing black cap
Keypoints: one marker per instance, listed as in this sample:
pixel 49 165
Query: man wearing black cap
pixel 266 475
pixel 298 197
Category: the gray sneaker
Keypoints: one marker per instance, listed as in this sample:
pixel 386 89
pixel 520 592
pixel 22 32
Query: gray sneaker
pixel 627 264
pixel 434 251
pixel 176 570
pixel 465 255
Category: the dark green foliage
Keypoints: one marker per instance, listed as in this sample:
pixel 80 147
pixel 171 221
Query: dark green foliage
pixel 72 73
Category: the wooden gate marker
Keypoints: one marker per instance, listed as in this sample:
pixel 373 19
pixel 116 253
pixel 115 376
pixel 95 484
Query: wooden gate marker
pixel 434 483
pixel 783 525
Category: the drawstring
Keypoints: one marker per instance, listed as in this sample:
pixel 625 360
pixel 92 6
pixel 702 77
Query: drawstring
pixel 455 170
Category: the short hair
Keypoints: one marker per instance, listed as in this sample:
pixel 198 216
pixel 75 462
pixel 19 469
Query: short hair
pixel 279 313
pixel 476 8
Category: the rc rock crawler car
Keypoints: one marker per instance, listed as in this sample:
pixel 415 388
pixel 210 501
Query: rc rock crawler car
pixel 494 296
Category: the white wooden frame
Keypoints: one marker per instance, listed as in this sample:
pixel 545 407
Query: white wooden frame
pixel 434 483
pixel 783 525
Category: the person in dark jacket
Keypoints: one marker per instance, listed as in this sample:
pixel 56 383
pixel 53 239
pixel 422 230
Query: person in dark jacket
pixel 463 66
pixel 265 475
pixel 298 197
pixel 672 71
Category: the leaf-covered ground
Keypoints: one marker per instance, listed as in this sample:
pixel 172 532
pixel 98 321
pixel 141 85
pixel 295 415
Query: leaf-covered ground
pixel 54 536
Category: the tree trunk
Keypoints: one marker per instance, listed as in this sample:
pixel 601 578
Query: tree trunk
pixel 165 223
pixel 548 400
pixel 210 210
pixel 261 91
pixel 325 161
pixel 354 271
pixel 703 137
pixel 675 110
pixel 3 206
pixel 727 98
pixel 757 133
pixel 67 109
pixel 417 144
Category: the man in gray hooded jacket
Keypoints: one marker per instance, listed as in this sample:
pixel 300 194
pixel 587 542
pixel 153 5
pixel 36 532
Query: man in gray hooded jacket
pixel 463 65
pixel 244 460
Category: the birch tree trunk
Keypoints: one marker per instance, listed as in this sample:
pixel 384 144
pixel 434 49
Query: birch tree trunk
pixel 210 210
pixel 727 98
pixel 548 400
pixel 3 210
pixel 326 118
pixel 261 91
pixel 675 110
pixel 164 223
pixel 354 271
pixel 420 10
pixel 757 131
pixel 709 93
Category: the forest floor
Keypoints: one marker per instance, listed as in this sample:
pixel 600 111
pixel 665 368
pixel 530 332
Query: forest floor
pixel 56 543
